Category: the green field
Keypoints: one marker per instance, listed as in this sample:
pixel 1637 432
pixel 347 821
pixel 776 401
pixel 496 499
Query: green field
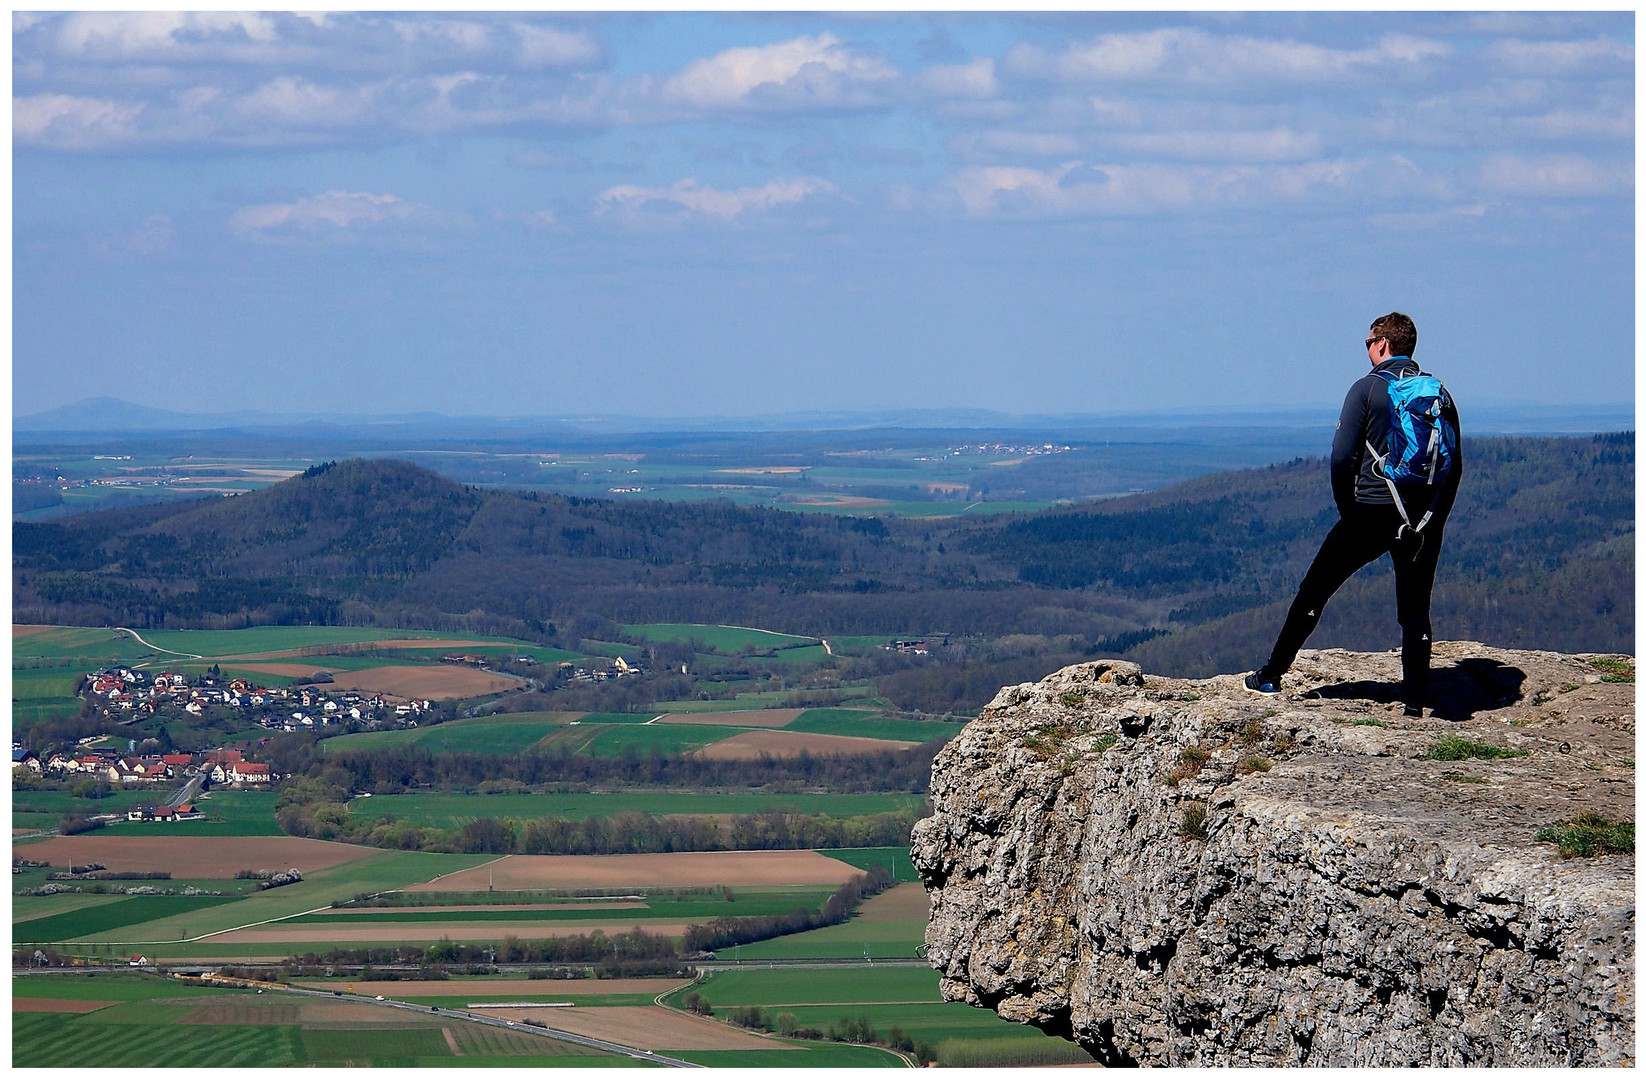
pixel 656 907
pixel 867 725
pixel 720 639
pixel 897 858
pixel 905 998
pixel 770 988
pixel 449 810
pixel 44 808
pixel 228 813
pixel 131 1032
pixel 262 639
pixel 506 733
pixel 128 911
pixel 655 739
pixel 382 871
pixel 79 642
pixel 816 1056
pixel 857 939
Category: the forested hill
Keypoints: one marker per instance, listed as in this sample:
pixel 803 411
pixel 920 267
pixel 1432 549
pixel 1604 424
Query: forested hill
pixel 1539 554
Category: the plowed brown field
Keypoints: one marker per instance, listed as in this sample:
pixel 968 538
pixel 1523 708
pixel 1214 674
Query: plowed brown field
pixel 751 744
pixel 500 987
pixel 394 643
pixel 644 1026
pixel 898 904
pixel 753 718
pixel 19 630
pixel 57 1005
pixel 436 681
pixel 196 856
pixel 734 868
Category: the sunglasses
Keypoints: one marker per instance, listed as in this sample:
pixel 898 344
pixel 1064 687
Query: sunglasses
pixel 1372 341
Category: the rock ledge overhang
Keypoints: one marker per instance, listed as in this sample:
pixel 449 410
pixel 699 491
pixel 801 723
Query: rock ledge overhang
pixel 1177 872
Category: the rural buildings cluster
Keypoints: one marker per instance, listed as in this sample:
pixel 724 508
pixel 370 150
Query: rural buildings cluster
pixel 291 708
pixel 220 766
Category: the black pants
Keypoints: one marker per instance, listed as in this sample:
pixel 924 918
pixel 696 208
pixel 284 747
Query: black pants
pixel 1354 541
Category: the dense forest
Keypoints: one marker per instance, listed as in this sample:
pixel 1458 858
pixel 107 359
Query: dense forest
pixel 1188 580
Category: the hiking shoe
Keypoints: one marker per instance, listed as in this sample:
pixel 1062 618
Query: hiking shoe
pixel 1258 683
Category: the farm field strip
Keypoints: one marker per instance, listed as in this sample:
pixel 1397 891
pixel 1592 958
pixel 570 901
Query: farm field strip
pixel 749 745
pixel 723 639
pixel 773 987
pixel 739 869
pixel 454 811
pixel 763 718
pixel 745 903
pixel 326 937
pixel 381 872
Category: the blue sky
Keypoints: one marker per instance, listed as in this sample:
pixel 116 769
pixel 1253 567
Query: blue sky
pixel 671 214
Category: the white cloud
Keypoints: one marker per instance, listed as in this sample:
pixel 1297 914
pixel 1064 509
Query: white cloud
pixel 156 236
pixel 295 101
pixel 154 35
pixel 67 122
pixel 972 80
pixel 803 71
pixel 1562 176
pixel 1014 143
pixel 1080 189
pixel 1196 56
pixel 333 215
pixel 1575 124
pixel 688 198
pixel 545 46
pixel 1278 144
pixel 1592 56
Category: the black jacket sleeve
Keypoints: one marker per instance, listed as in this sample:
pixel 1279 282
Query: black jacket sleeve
pixel 1349 444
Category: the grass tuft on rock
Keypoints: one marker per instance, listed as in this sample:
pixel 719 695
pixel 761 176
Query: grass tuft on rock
pixel 1194 821
pixel 1619 669
pixel 1458 748
pixel 1589 835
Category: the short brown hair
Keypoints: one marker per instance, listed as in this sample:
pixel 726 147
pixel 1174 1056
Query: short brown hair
pixel 1399 331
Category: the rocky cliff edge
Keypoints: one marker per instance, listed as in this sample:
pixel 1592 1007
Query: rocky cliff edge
pixel 1176 872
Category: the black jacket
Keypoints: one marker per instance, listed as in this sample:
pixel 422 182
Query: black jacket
pixel 1365 418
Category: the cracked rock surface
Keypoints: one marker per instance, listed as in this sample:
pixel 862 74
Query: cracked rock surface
pixel 1181 872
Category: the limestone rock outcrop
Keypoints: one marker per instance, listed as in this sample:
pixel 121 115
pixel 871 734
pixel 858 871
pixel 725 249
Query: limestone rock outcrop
pixel 1176 872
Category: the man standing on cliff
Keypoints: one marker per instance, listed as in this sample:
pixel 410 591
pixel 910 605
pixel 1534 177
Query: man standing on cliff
pixel 1383 506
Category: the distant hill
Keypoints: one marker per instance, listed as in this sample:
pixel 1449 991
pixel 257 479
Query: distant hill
pixel 1187 580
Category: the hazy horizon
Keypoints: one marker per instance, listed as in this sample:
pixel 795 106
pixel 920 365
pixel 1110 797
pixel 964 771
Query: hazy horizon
pixel 701 215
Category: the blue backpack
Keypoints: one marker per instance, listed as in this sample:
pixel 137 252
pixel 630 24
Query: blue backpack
pixel 1422 441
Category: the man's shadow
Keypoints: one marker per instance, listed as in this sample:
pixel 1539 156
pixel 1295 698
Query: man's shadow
pixel 1455 693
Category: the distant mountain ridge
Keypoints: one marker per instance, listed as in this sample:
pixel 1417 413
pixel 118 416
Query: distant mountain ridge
pixel 114 416
pixel 1192 578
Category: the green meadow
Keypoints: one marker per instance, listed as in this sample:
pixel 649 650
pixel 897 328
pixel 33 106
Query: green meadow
pixel 505 733
pixel 721 639
pixel 379 871
pixel 228 813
